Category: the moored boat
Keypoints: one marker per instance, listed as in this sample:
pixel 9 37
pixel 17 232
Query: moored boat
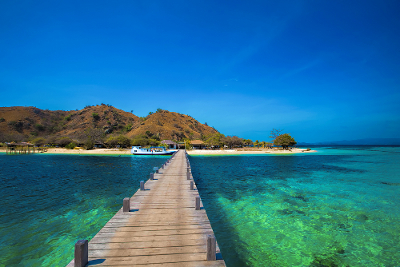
pixel 138 150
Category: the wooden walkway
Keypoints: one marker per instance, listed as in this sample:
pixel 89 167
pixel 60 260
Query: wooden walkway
pixel 163 228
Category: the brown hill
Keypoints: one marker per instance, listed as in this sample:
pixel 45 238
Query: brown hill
pixel 171 125
pixel 30 120
pixel 22 123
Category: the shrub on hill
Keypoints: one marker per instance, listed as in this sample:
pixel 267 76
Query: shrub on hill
pixel 95 116
pixel 39 127
pixel 68 117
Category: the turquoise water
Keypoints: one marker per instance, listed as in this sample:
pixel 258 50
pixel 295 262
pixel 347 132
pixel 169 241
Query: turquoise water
pixel 337 207
pixel 48 202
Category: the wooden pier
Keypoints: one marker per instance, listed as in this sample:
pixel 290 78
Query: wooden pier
pixel 20 148
pixel 162 224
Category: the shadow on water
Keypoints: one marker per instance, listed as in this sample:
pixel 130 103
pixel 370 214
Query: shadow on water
pixel 95 262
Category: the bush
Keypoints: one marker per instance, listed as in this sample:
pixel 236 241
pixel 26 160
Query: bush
pixel 71 145
pixel 140 141
pixel 124 141
pixel 89 144
pixel 40 141
pixel 68 118
pixel 39 127
pixel 64 141
pixel 2 119
pixel 112 141
pixel 95 116
pixel 128 127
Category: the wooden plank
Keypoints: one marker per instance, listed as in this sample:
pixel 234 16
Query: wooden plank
pixel 163 227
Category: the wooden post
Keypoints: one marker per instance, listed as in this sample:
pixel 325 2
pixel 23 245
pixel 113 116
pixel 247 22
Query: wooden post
pixel 191 185
pixel 126 206
pixel 156 171
pixel 211 248
pixel 188 176
pixel 81 253
pixel 141 185
pixel 197 203
pixel 151 176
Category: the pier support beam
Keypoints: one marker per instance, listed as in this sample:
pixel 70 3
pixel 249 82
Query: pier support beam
pixel 197 203
pixel 141 185
pixel 81 253
pixel 211 248
pixel 126 206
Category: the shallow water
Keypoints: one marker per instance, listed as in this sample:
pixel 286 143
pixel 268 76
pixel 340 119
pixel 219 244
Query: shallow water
pixel 337 207
pixel 48 202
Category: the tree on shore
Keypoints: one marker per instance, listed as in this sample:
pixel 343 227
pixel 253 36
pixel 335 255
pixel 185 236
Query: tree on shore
pixel 215 140
pixel 232 141
pixel 93 135
pixel 275 133
pixel 247 142
pixel 284 140
pixel 257 143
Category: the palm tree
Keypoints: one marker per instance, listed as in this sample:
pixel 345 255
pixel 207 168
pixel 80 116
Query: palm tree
pixel 248 142
pixel 263 143
pixel 257 143
pixel 269 144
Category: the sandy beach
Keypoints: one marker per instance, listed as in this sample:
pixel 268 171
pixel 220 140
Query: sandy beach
pixel 97 151
pixel 115 151
pixel 249 151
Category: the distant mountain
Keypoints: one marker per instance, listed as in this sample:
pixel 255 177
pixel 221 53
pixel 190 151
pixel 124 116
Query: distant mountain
pixel 26 122
pixel 360 142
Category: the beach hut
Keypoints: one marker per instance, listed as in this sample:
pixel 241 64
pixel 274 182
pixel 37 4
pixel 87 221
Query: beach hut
pixel 171 144
pixel 197 144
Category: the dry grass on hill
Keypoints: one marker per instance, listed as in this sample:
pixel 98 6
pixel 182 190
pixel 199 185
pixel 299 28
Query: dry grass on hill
pixel 31 121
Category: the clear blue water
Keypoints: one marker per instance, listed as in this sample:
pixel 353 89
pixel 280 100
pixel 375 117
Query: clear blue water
pixel 48 202
pixel 337 207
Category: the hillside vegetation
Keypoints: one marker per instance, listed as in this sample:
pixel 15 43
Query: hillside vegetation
pixel 99 123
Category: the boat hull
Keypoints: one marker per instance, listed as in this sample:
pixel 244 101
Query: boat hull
pixel 152 153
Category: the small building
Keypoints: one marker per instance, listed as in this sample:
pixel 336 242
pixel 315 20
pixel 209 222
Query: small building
pixel 171 144
pixel 197 144
pixel 20 148
pixel 99 144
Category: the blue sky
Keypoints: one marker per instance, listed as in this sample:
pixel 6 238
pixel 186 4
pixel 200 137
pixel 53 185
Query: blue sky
pixel 320 70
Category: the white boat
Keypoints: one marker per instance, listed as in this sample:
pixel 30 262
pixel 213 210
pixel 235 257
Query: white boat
pixel 137 150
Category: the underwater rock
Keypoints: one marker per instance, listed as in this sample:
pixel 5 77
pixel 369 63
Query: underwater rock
pixel 288 212
pixel 361 218
pixel 389 183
